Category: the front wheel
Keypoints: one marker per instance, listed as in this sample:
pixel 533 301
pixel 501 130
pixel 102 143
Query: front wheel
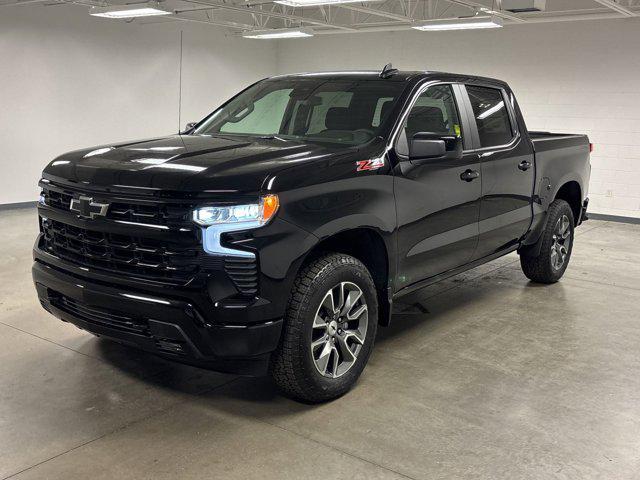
pixel 556 244
pixel 329 329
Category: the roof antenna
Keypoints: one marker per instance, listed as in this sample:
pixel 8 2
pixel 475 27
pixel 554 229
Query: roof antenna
pixel 388 71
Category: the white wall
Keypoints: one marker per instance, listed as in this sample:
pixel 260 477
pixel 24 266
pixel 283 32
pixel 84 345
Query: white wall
pixel 68 80
pixel 581 77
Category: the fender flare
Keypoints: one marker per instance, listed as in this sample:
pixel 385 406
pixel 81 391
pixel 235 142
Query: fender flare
pixel 357 222
pixel 533 249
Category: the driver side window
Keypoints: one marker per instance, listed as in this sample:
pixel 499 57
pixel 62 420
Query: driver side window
pixel 434 111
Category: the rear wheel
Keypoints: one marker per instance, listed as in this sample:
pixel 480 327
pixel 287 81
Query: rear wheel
pixel 556 244
pixel 329 329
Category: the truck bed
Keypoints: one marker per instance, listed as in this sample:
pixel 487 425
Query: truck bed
pixel 544 141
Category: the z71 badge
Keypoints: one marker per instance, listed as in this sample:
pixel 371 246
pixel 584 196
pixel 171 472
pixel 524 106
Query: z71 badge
pixel 373 164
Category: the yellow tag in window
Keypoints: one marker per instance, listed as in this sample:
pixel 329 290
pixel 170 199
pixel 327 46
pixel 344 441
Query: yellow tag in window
pixel 458 130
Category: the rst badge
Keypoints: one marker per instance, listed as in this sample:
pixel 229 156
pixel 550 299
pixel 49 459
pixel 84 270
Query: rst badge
pixel 87 208
pixel 372 164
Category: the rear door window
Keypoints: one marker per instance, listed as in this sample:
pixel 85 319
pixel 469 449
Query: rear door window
pixel 491 115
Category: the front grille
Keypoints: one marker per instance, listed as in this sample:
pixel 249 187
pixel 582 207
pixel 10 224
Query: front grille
pixel 174 260
pixel 150 213
pixel 56 199
pixel 138 256
pixel 105 318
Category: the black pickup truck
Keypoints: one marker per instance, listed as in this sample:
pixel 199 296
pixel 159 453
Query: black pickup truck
pixel 274 235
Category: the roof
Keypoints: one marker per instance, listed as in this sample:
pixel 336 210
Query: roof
pixel 352 75
pixel 399 76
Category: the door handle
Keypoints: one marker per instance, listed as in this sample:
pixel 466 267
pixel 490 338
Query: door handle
pixel 524 165
pixel 469 175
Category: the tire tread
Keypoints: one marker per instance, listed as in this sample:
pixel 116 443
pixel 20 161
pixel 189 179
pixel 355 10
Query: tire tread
pixel 538 269
pixel 285 366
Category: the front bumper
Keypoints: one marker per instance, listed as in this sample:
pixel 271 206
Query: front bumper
pixel 138 275
pixel 173 326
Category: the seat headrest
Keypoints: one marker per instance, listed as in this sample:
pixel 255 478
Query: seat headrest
pixel 386 110
pixel 338 118
pixel 426 119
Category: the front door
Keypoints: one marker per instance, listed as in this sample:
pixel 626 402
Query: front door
pixel 437 201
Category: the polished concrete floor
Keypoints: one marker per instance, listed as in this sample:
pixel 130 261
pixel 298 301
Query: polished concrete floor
pixel 501 378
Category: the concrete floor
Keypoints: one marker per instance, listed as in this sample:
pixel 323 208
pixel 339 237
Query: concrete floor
pixel 501 379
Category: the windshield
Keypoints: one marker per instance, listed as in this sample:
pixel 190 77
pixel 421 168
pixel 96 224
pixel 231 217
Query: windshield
pixel 337 111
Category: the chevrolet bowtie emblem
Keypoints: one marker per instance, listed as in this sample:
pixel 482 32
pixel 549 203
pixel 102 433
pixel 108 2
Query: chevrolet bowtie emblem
pixel 86 207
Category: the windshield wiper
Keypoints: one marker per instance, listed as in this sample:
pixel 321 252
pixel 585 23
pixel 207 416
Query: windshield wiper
pixel 271 137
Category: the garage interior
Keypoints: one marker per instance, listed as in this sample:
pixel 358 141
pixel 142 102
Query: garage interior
pixel 483 375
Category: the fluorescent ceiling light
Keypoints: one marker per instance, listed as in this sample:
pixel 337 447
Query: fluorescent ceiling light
pixel 313 3
pixel 129 11
pixel 279 33
pixel 460 24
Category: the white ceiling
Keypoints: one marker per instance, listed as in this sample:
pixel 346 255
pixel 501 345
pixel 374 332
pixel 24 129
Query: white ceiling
pixel 385 15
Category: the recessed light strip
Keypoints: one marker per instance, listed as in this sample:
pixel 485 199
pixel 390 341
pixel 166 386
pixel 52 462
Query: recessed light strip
pixel 129 11
pixel 279 33
pixel 313 3
pixel 471 23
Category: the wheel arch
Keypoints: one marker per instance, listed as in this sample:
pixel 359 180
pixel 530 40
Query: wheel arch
pixel 571 192
pixel 368 245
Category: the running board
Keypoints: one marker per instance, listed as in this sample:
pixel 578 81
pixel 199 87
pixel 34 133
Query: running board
pixel 451 273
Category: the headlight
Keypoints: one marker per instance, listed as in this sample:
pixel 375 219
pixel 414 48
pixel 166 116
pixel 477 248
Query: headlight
pixel 222 219
pixel 253 215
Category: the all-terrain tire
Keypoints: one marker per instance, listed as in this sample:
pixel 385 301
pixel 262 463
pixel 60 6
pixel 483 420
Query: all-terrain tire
pixel 545 268
pixel 293 367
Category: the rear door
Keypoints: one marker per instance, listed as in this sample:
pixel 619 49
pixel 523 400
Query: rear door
pixel 437 203
pixel 507 169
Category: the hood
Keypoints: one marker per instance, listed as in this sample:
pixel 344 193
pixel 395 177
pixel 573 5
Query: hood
pixel 187 163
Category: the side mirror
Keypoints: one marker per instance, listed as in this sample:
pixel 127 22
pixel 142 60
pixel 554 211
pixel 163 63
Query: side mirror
pixel 425 145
